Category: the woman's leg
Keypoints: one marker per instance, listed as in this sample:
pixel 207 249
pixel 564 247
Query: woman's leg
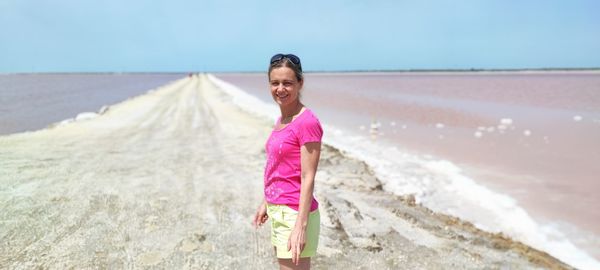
pixel 286 264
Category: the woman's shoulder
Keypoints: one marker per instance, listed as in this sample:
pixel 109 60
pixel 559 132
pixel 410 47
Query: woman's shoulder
pixel 308 128
pixel 308 121
pixel 308 116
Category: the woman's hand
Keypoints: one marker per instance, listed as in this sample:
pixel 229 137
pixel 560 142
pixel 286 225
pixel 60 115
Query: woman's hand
pixel 296 243
pixel 261 215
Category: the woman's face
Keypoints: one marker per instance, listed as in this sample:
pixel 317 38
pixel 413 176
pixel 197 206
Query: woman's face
pixel 285 87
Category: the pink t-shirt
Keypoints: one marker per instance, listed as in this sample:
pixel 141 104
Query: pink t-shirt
pixel 282 171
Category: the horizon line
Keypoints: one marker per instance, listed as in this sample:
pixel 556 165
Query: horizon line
pixel 322 71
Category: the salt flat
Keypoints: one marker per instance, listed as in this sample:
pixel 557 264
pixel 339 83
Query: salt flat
pixel 171 179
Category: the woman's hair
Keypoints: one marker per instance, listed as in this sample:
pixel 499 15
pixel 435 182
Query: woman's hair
pixel 286 62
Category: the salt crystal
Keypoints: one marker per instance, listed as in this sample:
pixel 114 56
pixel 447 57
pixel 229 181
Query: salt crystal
pixel 506 121
pixel 527 132
pixel 66 121
pixel 85 116
pixel 478 134
pixel 577 118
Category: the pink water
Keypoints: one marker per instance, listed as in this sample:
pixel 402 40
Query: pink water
pixel 33 101
pixel 547 158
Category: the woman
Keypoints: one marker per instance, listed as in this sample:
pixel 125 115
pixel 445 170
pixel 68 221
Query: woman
pixel 293 151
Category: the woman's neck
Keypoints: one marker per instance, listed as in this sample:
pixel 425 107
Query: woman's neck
pixel 290 111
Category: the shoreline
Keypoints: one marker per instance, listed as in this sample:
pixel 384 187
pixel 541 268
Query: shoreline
pixel 406 208
pixel 410 213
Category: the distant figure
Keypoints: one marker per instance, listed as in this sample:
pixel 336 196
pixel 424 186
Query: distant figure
pixel 189 75
pixel 293 150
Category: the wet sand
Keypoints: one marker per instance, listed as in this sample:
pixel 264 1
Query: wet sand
pixel 171 179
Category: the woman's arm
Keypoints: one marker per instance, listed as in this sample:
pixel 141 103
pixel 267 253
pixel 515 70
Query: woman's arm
pixel 309 158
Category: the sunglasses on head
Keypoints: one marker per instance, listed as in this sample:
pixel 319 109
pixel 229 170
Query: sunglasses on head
pixel 294 59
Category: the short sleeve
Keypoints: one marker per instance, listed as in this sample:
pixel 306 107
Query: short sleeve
pixel 310 130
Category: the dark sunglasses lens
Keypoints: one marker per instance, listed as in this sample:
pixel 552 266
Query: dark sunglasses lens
pixel 276 58
pixel 294 59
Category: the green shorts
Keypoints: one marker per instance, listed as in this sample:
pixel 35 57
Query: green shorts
pixel 283 219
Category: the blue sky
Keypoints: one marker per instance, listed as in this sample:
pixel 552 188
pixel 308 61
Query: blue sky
pixel 87 36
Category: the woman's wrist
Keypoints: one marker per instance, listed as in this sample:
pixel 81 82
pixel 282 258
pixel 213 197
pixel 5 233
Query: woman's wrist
pixel 301 224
